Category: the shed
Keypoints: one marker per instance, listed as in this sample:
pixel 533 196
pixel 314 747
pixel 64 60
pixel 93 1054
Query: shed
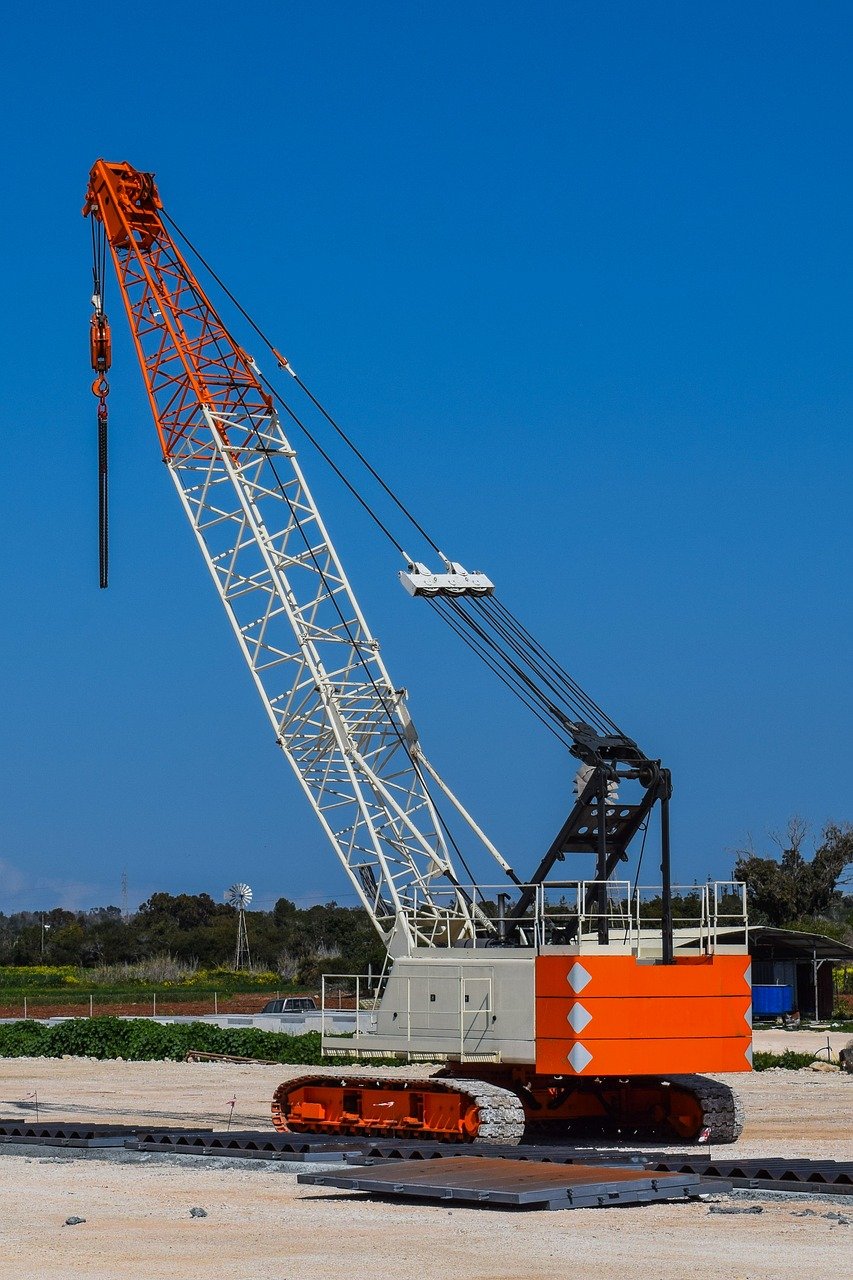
pixel 801 961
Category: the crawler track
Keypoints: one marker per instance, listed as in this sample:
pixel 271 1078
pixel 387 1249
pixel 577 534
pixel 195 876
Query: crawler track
pixel 441 1108
pixel 722 1109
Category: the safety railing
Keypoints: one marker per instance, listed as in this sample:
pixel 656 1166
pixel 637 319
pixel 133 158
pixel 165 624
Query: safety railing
pixel 348 1004
pixel 456 1006
pixel 570 912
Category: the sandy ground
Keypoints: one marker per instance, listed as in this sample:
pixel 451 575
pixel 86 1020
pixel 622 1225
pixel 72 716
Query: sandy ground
pixel 800 1041
pixel 260 1223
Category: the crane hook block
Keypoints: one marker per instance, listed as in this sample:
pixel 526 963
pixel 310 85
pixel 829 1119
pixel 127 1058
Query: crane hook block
pixel 100 343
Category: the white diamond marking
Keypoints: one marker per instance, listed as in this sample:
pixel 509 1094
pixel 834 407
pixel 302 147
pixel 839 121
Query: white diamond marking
pixel 748 1015
pixel 748 1054
pixel 578 1017
pixel 579 1057
pixel 747 977
pixel 578 978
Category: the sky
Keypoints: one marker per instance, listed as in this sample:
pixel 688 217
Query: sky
pixel 576 276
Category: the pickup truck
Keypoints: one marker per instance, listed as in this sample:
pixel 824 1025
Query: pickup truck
pixel 291 1004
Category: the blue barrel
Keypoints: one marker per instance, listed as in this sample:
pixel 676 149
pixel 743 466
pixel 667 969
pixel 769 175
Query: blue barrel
pixel 770 1002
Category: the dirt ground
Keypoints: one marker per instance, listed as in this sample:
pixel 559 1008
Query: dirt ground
pixel 78 1007
pixel 261 1224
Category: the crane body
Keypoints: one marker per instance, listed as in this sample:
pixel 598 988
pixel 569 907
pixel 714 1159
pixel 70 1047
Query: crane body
pixel 552 1001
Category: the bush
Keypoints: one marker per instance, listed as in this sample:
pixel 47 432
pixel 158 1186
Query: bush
pixel 789 1060
pixel 138 1040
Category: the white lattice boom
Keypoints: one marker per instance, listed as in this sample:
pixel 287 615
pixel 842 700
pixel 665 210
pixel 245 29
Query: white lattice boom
pixel 317 667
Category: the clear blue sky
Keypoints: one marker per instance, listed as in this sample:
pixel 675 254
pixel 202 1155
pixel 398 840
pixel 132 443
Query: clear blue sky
pixel 577 275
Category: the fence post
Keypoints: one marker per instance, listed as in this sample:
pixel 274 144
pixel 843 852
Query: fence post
pixel 216 1002
pixel 25 1008
pixel 90 1006
pixel 154 1014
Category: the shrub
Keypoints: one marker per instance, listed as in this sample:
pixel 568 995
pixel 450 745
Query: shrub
pixel 138 1040
pixel 789 1060
pixel 157 969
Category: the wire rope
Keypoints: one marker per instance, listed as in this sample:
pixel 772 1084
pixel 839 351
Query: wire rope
pixel 546 682
pixel 332 596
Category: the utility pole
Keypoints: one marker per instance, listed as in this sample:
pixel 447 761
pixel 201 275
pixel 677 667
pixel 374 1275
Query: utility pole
pixel 124 911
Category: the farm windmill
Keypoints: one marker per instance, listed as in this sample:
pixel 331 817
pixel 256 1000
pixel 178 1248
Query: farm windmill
pixel 239 896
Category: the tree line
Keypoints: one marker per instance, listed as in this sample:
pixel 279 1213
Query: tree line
pixel 293 942
pixel 784 888
pixel 788 890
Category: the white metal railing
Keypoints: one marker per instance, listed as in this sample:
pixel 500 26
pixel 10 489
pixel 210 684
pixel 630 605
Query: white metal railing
pixel 462 1011
pixel 576 911
pixel 344 992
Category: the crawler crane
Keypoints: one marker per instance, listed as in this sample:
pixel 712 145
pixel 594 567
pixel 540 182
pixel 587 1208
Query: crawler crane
pixel 549 1002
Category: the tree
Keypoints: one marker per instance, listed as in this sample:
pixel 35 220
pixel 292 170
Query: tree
pixel 784 889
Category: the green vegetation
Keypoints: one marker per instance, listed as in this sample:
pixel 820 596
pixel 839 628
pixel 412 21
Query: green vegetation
pixel 788 1060
pixel 792 893
pixel 138 1040
pixel 182 942
pixel 106 980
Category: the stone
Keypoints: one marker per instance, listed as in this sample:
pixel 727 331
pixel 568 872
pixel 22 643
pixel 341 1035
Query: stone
pixel 845 1057
pixel 198 1213
pixel 73 1222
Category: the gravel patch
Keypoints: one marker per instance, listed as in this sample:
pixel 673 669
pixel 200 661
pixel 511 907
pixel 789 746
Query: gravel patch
pixel 262 1225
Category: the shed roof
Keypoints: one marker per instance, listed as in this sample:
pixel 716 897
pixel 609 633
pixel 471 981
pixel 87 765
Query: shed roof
pixel 768 943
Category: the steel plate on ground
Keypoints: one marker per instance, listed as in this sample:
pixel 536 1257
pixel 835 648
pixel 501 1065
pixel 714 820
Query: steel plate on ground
pixel 68 1134
pixel 516 1183
pixel 247 1144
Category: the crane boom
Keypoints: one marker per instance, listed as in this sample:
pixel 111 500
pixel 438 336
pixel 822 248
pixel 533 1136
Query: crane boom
pixel 335 713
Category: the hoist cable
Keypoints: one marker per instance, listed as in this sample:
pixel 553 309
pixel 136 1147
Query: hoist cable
pixel 467 638
pixel 240 392
pixel 554 664
pixel 324 455
pixel 335 425
pixel 547 682
pixel 100 387
pixel 289 410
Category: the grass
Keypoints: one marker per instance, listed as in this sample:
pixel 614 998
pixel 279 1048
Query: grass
pixel 66 984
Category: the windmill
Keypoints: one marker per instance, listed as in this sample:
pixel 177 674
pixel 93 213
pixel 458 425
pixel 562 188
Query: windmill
pixel 239 896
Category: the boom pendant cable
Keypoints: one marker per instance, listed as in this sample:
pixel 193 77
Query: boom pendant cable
pixel 540 675
pixel 345 623
pixel 285 364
